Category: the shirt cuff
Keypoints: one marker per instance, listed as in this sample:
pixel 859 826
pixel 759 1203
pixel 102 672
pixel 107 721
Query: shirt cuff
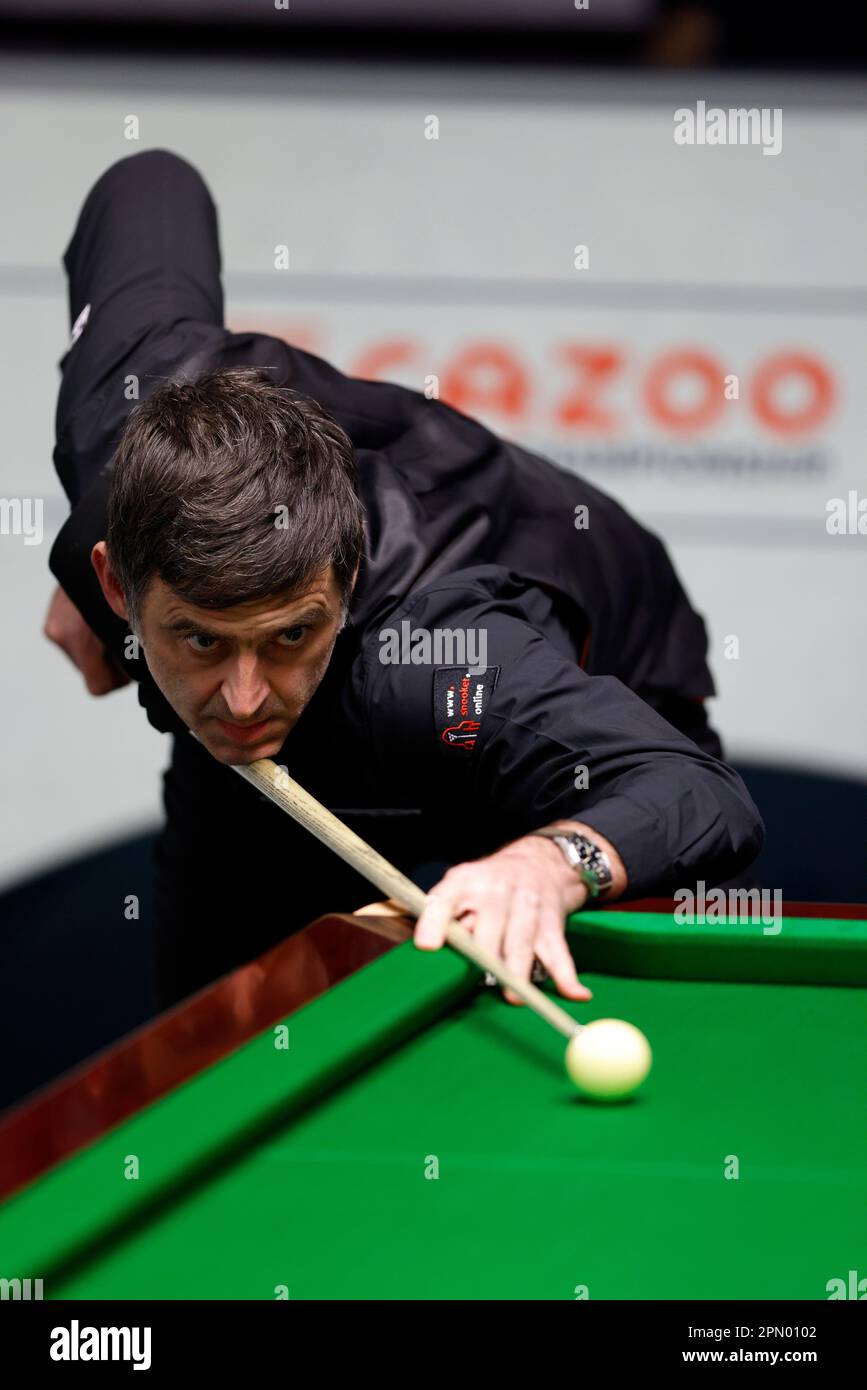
pixel 639 839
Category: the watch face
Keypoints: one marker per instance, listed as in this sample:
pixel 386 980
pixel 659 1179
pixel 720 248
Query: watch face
pixel 571 847
pixel 581 849
pixel 595 864
pixel 586 858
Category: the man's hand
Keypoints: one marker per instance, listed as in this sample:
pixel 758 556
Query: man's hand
pixel 65 626
pixel 515 903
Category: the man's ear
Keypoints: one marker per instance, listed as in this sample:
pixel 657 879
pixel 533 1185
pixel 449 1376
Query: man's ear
pixel 105 574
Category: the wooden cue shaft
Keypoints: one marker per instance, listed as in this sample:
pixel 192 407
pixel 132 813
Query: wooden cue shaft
pixel 291 797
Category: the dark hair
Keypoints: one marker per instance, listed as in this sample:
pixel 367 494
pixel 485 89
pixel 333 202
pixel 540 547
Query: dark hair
pixel 231 489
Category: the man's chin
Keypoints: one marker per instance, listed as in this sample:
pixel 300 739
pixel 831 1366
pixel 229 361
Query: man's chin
pixel 241 757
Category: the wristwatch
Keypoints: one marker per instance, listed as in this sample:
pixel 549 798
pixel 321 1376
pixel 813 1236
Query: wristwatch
pixel 590 863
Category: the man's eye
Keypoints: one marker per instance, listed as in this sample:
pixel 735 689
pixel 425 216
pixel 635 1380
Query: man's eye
pixel 292 636
pixel 201 642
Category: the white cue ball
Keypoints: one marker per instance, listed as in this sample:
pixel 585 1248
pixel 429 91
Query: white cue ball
pixel 608 1059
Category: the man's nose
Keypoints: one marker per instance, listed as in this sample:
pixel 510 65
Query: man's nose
pixel 244 687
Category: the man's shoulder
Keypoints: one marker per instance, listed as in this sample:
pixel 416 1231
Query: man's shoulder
pixel 470 595
pixel 482 616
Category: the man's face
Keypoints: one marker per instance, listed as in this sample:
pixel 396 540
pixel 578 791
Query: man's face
pixel 241 677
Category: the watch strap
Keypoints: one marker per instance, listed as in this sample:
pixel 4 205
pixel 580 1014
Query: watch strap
pixel 590 863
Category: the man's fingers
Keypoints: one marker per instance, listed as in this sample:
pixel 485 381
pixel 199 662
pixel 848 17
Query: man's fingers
pixel 430 929
pixel 492 914
pixel 553 952
pixel 67 629
pixel 101 677
pixel 521 929
pixel 100 673
pixel 518 922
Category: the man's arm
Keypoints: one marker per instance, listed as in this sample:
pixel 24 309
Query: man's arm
pixel 557 746
pixel 144 257
pixel 143 268
pixel 554 744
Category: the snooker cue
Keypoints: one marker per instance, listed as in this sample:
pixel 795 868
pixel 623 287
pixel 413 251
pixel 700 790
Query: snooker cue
pixel 291 797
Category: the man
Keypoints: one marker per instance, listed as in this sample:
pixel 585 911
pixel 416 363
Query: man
pixel 447 640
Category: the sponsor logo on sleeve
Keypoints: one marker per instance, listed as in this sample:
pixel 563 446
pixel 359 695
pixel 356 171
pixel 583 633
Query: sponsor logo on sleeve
pixel 461 697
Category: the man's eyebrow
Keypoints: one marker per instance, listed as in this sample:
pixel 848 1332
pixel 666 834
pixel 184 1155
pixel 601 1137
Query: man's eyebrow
pixel 182 625
pixel 314 612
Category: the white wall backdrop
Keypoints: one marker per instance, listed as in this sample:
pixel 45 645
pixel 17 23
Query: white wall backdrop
pixel 453 257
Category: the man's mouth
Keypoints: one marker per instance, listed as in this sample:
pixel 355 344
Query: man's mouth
pixel 243 734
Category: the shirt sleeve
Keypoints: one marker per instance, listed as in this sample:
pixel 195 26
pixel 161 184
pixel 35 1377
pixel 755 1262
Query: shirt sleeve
pixel 144 258
pixel 554 743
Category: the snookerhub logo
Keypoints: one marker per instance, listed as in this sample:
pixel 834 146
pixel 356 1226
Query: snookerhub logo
pixel 77 1343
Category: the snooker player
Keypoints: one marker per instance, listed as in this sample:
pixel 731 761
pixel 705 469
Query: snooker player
pixel 471 656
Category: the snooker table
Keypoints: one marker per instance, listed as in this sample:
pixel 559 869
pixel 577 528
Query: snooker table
pixel 350 1118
